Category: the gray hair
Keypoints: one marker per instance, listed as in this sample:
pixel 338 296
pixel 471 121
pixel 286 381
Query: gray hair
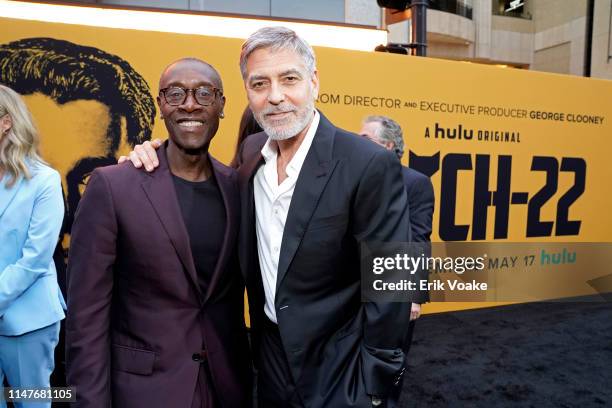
pixel 390 131
pixel 276 39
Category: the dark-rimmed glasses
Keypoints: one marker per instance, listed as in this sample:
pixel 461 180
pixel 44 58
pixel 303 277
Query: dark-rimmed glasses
pixel 176 95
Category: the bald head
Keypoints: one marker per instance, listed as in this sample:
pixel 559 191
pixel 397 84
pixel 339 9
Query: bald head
pixel 188 106
pixel 193 68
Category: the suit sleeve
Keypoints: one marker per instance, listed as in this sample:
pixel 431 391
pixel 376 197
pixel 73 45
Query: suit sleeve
pixel 37 252
pixel 90 284
pixel 381 214
pixel 239 156
pixel 421 202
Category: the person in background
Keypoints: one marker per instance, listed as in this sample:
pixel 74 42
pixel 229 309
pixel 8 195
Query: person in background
pixel 387 133
pixel 31 215
pixel 248 126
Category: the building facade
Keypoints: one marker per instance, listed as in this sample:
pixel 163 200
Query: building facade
pixel 544 35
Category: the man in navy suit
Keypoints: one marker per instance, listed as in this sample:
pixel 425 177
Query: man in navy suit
pixel 311 194
pixel 386 132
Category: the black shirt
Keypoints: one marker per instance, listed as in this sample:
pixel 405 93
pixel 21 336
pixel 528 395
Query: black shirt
pixel 204 216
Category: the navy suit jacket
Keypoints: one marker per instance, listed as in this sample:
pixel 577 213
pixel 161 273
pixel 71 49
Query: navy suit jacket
pixel 349 190
pixel 136 312
pixel 421 202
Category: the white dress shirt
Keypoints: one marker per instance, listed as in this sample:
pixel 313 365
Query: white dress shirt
pixel 272 201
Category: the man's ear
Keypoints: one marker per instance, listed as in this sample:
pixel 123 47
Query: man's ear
pixel 124 145
pixel 159 102
pixel 315 84
pixel 390 145
pixel 222 105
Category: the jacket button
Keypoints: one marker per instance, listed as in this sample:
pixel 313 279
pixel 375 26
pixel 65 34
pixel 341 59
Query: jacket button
pixel 199 357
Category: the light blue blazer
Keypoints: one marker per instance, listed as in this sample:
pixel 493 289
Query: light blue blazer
pixel 31 214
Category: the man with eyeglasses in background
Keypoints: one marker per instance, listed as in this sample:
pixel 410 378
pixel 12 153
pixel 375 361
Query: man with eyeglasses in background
pixel 155 305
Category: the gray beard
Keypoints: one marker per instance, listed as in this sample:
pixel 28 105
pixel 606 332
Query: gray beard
pixel 293 129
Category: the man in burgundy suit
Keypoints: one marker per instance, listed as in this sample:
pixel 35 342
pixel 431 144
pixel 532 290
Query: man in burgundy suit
pixel 155 311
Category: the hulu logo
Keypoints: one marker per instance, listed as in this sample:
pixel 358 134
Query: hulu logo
pixel 557 258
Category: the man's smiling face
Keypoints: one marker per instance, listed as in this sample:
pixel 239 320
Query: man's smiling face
pixel 191 125
pixel 281 91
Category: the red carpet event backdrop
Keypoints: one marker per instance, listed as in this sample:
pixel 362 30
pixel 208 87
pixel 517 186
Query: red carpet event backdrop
pixel 514 155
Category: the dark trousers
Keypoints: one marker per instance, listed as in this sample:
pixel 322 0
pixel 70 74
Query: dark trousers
pixel 396 391
pixel 275 385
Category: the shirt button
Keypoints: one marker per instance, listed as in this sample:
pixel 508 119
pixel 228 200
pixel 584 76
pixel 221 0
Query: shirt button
pixel 275 249
pixel 276 212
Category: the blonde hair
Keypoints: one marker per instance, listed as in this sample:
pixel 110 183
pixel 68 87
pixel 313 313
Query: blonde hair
pixel 20 144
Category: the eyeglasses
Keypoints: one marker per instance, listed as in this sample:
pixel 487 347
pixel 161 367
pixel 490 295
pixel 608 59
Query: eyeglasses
pixel 176 96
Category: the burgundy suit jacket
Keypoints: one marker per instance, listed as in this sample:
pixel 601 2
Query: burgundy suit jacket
pixel 136 314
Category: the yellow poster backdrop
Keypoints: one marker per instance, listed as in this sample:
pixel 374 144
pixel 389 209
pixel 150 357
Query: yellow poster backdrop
pixel 513 155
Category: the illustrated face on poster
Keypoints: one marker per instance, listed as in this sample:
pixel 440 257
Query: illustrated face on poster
pixel 85 102
pixel 82 126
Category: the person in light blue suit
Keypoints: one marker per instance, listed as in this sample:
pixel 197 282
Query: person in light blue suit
pixel 31 213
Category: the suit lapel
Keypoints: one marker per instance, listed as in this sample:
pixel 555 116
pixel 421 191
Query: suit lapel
pixel 228 194
pixel 8 194
pixel 314 175
pixel 249 261
pixel 160 191
pixel 251 164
